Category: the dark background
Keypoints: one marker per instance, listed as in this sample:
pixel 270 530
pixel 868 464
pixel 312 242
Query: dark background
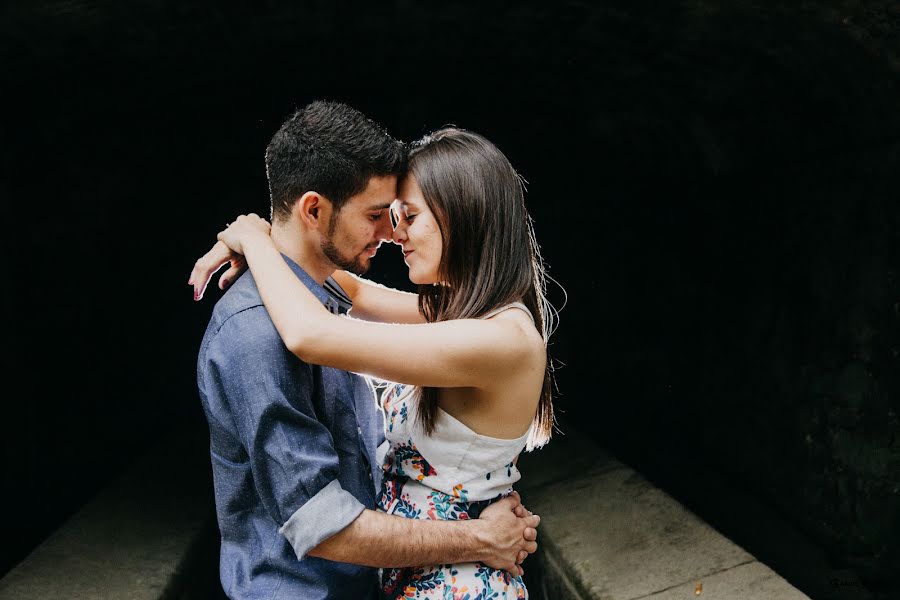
pixel 715 185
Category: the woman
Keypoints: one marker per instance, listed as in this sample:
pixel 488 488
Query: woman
pixel 476 381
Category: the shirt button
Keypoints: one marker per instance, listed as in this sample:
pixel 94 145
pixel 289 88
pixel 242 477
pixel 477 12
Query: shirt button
pixel 359 430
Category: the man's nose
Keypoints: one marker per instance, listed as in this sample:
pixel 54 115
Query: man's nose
pixel 384 231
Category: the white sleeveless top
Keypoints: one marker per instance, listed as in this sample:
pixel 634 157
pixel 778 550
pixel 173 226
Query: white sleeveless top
pixel 436 476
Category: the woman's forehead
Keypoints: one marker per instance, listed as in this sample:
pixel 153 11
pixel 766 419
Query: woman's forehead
pixel 409 186
pixel 409 197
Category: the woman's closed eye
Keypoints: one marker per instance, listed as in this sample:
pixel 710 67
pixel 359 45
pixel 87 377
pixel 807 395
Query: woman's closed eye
pixel 398 215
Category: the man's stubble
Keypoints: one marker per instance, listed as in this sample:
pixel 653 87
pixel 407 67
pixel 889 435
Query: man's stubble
pixel 352 264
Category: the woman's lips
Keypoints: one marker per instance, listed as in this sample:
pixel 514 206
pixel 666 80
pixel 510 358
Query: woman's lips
pixel 406 253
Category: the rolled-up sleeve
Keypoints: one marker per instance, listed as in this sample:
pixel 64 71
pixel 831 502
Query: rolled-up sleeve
pixel 293 461
pixel 326 513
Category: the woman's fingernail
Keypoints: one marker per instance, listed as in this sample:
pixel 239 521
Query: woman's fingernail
pixel 196 295
pixel 225 283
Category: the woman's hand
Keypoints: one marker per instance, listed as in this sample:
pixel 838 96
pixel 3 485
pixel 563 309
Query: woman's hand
pixel 206 266
pixel 226 251
pixel 243 229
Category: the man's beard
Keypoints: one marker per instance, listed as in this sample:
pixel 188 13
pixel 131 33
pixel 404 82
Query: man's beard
pixel 355 264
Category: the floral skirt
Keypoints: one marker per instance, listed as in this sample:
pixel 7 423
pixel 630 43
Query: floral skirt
pixel 464 581
pixel 408 498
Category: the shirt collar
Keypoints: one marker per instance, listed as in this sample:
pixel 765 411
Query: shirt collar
pixel 318 291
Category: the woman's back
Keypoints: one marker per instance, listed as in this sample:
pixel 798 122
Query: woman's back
pixel 505 409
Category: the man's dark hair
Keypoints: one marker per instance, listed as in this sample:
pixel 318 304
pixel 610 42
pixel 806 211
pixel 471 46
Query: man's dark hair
pixel 329 148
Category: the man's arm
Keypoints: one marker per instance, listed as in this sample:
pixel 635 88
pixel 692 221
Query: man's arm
pixel 496 539
pixel 268 394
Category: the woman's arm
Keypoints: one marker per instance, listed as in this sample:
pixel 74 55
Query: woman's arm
pixel 375 302
pixel 461 353
pixel 371 301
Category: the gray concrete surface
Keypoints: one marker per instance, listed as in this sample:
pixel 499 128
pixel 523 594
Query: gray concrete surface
pixel 135 540
pixel 608 534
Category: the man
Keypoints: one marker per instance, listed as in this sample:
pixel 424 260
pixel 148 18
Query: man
pixel 294 445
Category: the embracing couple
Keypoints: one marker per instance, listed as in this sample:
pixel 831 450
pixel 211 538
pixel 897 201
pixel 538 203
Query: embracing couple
pixel 320 488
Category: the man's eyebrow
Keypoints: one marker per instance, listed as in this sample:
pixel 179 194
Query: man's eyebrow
pixel 381 206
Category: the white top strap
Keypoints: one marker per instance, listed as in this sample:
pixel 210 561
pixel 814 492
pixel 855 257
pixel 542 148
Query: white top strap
pixel 500 309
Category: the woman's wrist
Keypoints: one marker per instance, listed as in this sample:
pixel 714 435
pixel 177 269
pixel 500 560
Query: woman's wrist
pixel 256 240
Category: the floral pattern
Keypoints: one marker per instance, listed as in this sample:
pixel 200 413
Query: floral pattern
pixel 406 459
pixel 417 487
pixel 452 582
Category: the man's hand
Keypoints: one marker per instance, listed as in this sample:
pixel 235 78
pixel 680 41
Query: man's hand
pixel 509 534
pixel 521 511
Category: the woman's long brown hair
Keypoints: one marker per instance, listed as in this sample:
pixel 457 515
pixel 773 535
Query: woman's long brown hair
pixel 490 254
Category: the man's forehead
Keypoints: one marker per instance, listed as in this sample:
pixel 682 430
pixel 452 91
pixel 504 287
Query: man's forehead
pixel 378 195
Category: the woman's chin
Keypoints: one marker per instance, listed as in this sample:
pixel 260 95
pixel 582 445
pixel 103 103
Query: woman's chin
pixel 418 279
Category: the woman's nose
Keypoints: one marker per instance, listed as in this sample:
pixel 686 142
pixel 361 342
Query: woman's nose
pixel 399 233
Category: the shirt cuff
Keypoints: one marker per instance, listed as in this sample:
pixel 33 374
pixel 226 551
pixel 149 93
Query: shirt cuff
pixel 323 515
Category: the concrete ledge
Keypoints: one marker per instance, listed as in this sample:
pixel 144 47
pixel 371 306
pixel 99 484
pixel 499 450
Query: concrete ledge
pixel 138 539
pixel 608 534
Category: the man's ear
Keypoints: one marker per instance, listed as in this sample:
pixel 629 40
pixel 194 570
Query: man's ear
pixel 313 210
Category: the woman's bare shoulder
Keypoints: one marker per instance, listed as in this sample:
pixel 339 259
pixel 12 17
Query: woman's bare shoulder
pixel 525 334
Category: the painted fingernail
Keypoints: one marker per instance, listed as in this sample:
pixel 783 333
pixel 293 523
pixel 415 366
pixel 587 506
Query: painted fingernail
pixel 196 295
pixel 225 283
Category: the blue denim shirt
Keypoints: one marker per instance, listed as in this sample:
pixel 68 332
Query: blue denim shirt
pixel 293 449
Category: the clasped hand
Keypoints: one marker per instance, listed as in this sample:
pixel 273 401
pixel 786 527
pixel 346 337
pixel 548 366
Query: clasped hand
pixel 513 533
pixel 244 227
